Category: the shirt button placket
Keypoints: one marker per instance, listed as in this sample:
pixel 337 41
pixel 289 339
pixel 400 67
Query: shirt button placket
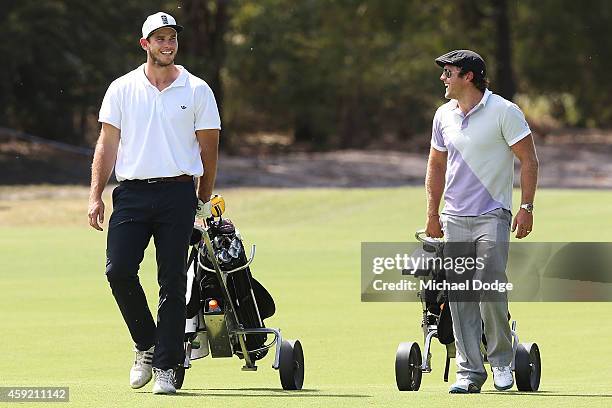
pixel 159 106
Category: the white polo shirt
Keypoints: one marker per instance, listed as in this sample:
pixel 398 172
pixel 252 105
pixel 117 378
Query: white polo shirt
pixel 480 164
pixel 158 128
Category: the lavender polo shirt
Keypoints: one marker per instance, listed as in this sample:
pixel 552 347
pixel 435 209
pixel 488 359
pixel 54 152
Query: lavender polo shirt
pixel 480 164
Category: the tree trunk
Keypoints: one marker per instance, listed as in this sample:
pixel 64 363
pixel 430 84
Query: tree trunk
pixel 506 86
pixel 206 22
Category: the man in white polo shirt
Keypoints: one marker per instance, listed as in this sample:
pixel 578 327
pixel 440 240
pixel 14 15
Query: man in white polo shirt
pixel 160 131
pixel 474 140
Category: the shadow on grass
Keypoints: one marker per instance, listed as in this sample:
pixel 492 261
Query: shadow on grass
pixel 547 394
pixel 262 392
pixel 255 389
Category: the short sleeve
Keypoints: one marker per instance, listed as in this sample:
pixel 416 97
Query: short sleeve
pixel 110 111
pixel 437 139
pixel 514 127
pixel 206 113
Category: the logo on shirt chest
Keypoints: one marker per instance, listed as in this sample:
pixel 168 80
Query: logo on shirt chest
pixel 179 111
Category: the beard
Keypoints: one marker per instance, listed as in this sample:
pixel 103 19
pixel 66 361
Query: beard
pixel 157 61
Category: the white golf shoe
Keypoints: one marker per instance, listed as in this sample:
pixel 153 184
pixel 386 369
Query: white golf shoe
pixel 164 381
pixel 464 386
pixel 140 374
pixel 502 378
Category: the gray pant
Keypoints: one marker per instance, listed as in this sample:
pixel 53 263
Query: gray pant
pixel 490 234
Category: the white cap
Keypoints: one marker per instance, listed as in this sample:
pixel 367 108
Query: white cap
pixel 157 21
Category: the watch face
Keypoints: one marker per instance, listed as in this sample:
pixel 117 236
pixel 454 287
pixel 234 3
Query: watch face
pixel 528 207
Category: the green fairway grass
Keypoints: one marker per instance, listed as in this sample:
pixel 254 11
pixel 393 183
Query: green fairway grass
pixel 60 325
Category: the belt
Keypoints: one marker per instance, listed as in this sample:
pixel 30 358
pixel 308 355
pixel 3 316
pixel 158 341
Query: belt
pixel 181 178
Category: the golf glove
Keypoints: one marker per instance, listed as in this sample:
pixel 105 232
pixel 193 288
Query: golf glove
pixel 203 210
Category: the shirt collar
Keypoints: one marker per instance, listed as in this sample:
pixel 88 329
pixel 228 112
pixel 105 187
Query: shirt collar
pixel 483 101
pixel 181 80
pixel 485 97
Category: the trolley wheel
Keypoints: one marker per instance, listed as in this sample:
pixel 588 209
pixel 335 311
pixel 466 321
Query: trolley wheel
pixel 291 365
pixel 527 367
pixel 408 362
pixel 179 377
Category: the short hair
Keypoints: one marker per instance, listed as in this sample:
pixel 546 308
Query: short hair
pixel 480 82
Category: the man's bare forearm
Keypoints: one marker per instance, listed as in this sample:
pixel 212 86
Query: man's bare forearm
pixel 529 179
pixel 525 151
pixel 209 154
pixel 434 184
pixel 206 183
pixel 104 159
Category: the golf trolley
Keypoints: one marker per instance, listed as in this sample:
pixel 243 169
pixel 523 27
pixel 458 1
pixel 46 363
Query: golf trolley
pixel 226 306
pixel 410 363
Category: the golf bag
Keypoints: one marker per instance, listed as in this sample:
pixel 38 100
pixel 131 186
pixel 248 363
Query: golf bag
pixel 436 311
pixel 250 300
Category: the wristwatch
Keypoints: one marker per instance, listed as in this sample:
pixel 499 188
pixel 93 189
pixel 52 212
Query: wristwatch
pixel 527 207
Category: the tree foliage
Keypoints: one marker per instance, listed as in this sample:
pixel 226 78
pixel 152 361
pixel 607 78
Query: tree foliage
pixel 333 73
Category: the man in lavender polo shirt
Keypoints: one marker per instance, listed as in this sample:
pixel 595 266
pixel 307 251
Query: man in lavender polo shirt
pixel 475 137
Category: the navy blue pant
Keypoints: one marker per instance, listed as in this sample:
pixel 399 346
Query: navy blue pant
pixel 164 211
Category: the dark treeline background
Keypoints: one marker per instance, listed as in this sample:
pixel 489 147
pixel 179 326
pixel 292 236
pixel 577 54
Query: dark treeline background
pixel 327 73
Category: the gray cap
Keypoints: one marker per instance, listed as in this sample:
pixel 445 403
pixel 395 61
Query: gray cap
pixel 466 59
